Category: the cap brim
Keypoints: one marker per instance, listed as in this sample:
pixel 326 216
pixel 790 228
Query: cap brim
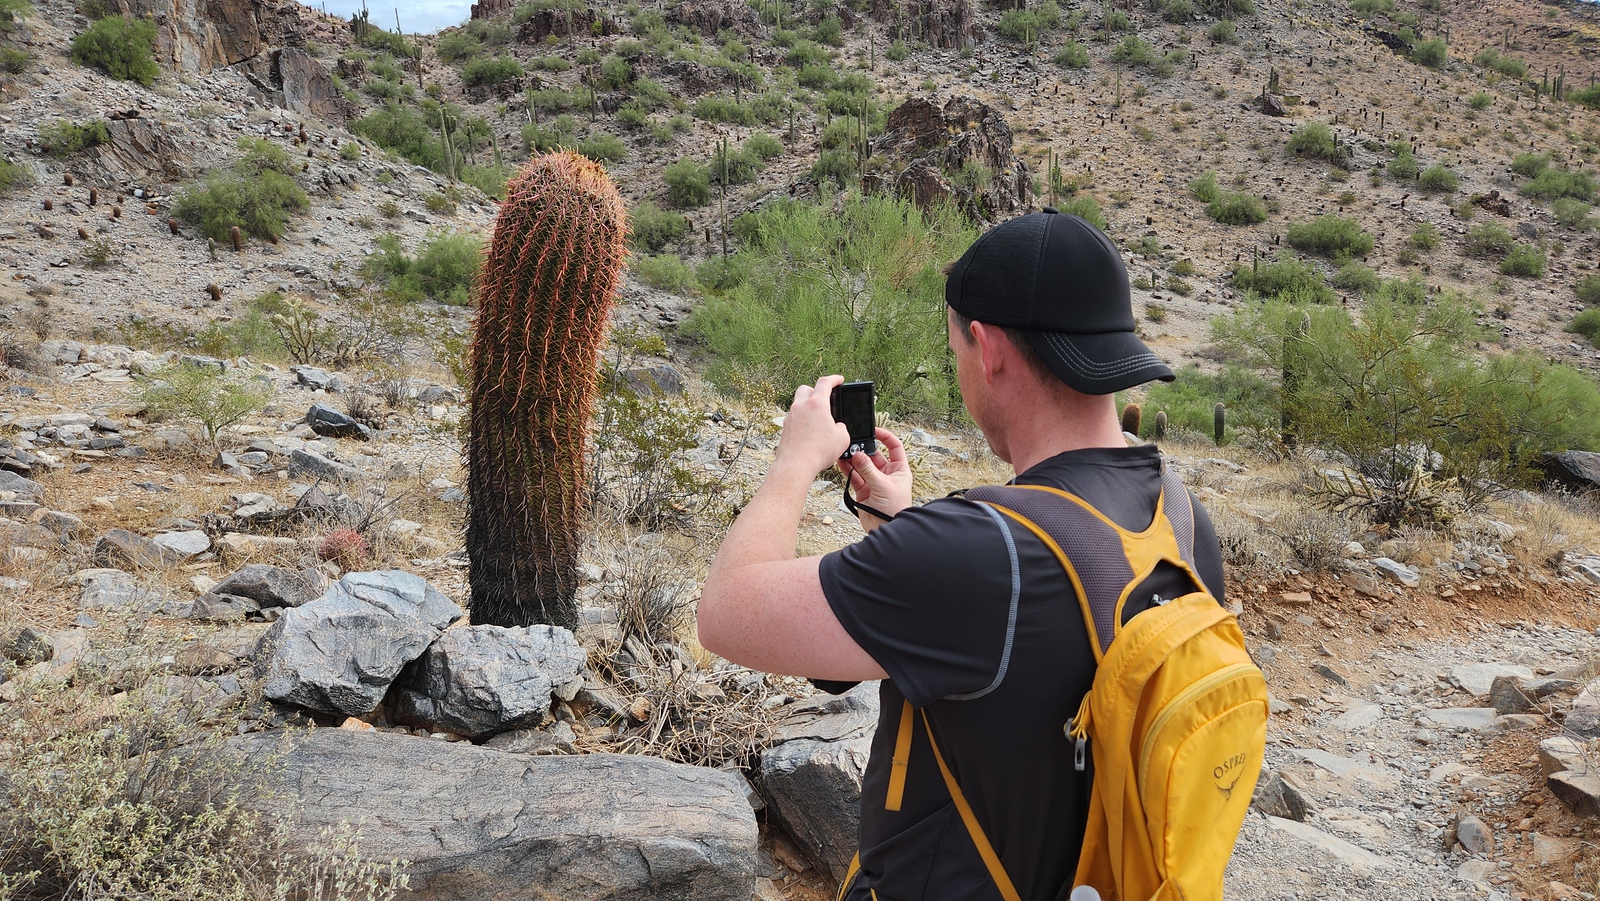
pixel 1101 363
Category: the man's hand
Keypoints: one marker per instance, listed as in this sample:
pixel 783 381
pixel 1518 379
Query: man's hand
pixel 811 439
pixel 884 484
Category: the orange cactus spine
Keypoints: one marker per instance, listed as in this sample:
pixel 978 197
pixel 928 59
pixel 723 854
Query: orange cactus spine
pixel 547 285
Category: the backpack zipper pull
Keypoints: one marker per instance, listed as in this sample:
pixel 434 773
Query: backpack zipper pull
pixel 1080 755
pixel 1078 731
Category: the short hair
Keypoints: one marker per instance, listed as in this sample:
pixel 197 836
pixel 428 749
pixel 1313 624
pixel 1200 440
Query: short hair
pixel 1019 340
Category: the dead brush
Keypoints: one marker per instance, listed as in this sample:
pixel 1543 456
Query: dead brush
pixel 687 716
pixel 1553 525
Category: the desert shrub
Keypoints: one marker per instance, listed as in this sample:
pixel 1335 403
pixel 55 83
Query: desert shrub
pixel 1530 165
pixel 1353 276
pixel 851 289
pixel 632 116
pixel 651 228
pixel 688 184
pixel 1431 53
pixel 1438 178
pixel 1404 380
pixel 616 73
pixel 1223 31
pixel 1027 25
pixel 1552 183
pixel 1072 55
pixel 1286 279
pixel 1524 261
pixel 1175 11
pixel 257 194
pixel 829 31
pixel 562 131
pixel 12 12
pixel 12 175
pixel 603 147
pixel 897 52
pixel 458 46
pixel 664 272
pixel 1587 324
pixel 1138 53
pixel 121 48
pixel 1085 207
pixel 399 129
pixel 837 165
pixel 1571 213
pixel 63 138
pixel 1205 187
pixel 1191 398
pixel 1424 237
pixel 1480 101
pixel 488 72
pixel 762 146
pixel 13 61
pixel 1233 208
pixel 1115 20
pixel 723 109
pixel 1330 236
pixel 1404 165
pixel 1315 140
pixel 249 334
pixel 1588 289
pixel 1488 240
pixel 733 166
pixel 204 396
pixel 444 269
pixel 1589 97
pixel 1372 7
pixel 1492 59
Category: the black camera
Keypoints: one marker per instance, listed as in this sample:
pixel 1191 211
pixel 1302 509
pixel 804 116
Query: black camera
pixel 852 405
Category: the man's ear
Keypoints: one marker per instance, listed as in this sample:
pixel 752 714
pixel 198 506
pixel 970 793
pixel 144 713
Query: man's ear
pixel 993 346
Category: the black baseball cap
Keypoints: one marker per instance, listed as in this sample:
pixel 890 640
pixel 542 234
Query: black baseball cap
pixel 1062 281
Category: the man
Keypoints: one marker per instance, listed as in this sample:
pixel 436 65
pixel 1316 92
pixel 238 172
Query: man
pixel 958 609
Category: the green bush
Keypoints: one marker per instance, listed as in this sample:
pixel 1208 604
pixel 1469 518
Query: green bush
pixel 1480 101
pixel 897 52
pixel 1233 208
pixel 1588 289
pixel 492 32
pixel 1222 31
pixel 1190 402
pixel 12 12
pixel 1116 20
pixel 1524 261
pixel 1205 187
pixel 1072 55
pixel 1177 12
pixel 603 147
pixel 829 31
pixel 401 130
pixel 12 175
pixel 1330 236
pixel 1086 207
pixel 64 138
pixel 444 269
pixel 491 180
pixel 1286 279
pixel 1353 276
pixel 543 137
pixel 762 146
pixel 723 109
pixel 1431 53
pixel 1530 165
pixel 1437 178
pixel 1028 25
pixel 1589 97
pixel 257 194
pixel 458 46
pixel 250 334
pixel 488 72
pixel 1488 240
pixel 204 396
pixel 13 61
pixel 1135 52
pixel 1373 7
pixel 779 323
pixel 388 42
pixel 1490 58
pixel 1571 213
pixel 688 184
pixel 1424 237
pixel 1404 165
pixel 664 272
pixel 1316 140
pixel 650 228
pixel 1587 324
pixel 616 73
pixel 121 48
pixel 1552 183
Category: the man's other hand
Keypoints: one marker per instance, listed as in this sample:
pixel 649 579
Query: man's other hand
pixel 811 438
pixel 882 481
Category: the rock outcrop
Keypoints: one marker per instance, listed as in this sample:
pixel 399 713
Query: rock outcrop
pixel 1573 470
pixel 946 24
pixel 811 775
pixel 482 680
pixel 710 17
pixel 201 35
pixel 961 154
pixel 480 823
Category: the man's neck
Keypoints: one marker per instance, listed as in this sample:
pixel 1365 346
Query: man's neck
pixel 1051 429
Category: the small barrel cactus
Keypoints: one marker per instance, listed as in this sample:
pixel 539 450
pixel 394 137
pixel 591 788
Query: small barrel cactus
pixel 547 285
pixel 1130 419
pixel 1161 425
pixel 1219 421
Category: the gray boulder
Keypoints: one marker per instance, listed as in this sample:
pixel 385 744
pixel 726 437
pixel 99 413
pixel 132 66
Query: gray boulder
pixel 222 608
pixel 811 775
pixel 122 549
pixel 113 589
pixel 340 653
pixel 318 466
pixel 1275 797
pixel 479 823
pixel 190 543
pixel 481 680
pixel 1573 470
pixel 330 423
pixel 269 586
pixel 23 488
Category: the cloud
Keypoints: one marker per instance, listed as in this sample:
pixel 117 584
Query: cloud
pixel 427 17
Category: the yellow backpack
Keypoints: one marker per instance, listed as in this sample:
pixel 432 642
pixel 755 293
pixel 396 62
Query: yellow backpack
pixel 1176 718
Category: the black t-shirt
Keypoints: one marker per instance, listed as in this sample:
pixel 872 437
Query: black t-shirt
pixel 929 597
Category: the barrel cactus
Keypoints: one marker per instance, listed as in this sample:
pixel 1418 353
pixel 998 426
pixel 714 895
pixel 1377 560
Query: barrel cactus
pixel 545 290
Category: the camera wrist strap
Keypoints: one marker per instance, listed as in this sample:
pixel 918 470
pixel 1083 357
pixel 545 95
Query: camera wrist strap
pixel 856 508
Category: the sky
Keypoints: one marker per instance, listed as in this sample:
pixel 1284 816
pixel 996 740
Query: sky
pixel 426 16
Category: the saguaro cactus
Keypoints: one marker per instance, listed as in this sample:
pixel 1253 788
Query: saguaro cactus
pixel 547 285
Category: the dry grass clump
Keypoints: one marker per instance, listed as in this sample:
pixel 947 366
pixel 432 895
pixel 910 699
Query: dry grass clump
pixel 120 783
